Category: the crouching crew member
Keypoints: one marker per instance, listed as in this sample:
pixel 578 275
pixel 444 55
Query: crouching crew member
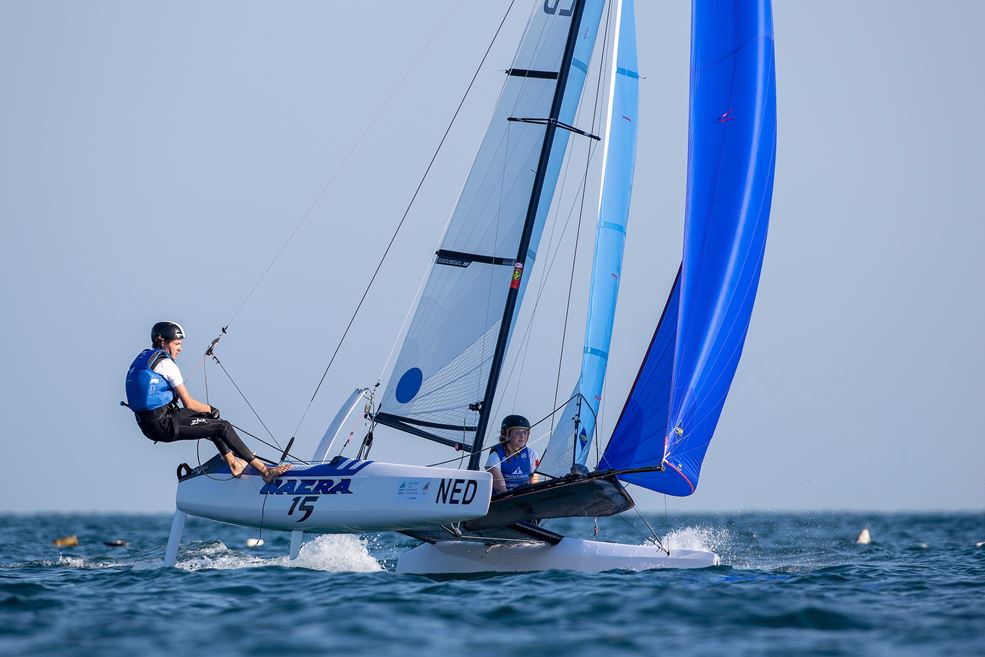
pixel 511 462
pixel 154 386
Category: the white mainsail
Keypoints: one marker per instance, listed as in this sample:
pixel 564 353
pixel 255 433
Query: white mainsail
pixel 442 371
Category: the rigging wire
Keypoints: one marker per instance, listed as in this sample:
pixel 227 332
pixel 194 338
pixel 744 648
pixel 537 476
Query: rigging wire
pixel 198 457
pixel 257 438
pixel 537 50
pixel 404 216
pixel 240 429
pixel 241 394
pixel 633 527
pixel 581 212
pixel 315 202
pixel 653 532
pixel 525 344
pixel 550 240
pixel 205 373
pixel 525 341
pixel 198 454
pixel 342 164
pixel 522 350
pixel 491 447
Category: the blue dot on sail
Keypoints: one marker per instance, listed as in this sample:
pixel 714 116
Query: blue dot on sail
pixel 409 385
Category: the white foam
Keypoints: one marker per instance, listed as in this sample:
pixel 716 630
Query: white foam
pixel 707 539
pixel 696 538
pixel 331 553
pixel 336 552
pixel 71 562
pixel 212 548
pixel 78 562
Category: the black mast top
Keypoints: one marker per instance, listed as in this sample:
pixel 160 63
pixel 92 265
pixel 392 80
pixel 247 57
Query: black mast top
pixel 528 226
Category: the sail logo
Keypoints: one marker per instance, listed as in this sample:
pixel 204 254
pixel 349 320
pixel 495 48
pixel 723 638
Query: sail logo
pixel 517 275
pixel 307 487
pixel 456 491
pixel 552 7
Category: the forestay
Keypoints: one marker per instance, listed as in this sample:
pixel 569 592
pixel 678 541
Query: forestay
pixel 618 164
pixel 443 367
pixel 674 406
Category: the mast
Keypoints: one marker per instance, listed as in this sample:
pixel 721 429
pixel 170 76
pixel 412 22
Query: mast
pixel 485 410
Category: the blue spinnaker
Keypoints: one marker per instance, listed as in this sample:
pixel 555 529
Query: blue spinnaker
pixel 619 161
pixel 674 406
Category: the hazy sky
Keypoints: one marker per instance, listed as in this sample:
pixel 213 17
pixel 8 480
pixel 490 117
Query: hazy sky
pixel 154 157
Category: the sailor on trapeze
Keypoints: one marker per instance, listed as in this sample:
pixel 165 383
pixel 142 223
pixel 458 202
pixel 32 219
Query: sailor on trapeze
pixel 154 386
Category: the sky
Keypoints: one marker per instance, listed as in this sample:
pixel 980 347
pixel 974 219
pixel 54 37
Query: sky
pixel 156 158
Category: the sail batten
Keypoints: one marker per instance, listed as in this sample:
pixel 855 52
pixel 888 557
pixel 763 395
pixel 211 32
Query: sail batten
pixel 459 330
pixel 674 406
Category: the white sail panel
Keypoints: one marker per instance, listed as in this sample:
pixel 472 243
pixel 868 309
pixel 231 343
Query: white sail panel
pixel 443 366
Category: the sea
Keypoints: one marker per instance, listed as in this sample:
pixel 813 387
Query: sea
pixel 788 584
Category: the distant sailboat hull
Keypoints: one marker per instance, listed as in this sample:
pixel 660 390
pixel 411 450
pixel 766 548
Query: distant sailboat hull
pixel 345 495
pixel 459 557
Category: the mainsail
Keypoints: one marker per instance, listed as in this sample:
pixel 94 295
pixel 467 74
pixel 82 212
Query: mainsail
pixel 618 162
pixel 445 374
pixel 674 406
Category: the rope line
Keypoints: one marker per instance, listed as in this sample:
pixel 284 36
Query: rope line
pixel 491 447
pixel 653 532
pixel 342 164
pixel 241 394
pixel 404 217
pixel 581 213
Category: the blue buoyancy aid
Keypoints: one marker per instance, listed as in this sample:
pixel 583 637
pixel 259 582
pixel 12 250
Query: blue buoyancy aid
pixel 516 469
pixel 146 389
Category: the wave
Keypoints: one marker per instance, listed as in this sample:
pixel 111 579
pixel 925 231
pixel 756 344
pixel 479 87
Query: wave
pixel 328 552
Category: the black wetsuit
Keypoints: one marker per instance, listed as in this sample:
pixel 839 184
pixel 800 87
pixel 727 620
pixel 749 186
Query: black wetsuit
pixel 170 423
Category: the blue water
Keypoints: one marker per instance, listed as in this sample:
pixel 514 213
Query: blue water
pixel 789 584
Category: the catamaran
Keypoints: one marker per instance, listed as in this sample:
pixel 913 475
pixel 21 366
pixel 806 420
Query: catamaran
pixel 446 376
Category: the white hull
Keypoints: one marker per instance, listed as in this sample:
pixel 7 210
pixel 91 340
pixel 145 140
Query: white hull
pixel 346 496
pixel 460 557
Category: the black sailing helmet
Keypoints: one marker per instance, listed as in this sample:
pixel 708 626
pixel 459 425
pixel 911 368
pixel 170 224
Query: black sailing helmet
pixel 167 331
pixel 513 422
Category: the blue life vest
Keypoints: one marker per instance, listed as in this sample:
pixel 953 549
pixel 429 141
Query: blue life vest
pixel 516 469
pixel 146 389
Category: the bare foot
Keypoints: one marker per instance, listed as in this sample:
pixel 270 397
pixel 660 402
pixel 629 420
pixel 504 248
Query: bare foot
pixel 272 473
pixel 237 467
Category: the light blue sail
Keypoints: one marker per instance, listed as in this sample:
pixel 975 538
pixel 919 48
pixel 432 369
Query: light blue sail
pixel 674 406
pixel 619 161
